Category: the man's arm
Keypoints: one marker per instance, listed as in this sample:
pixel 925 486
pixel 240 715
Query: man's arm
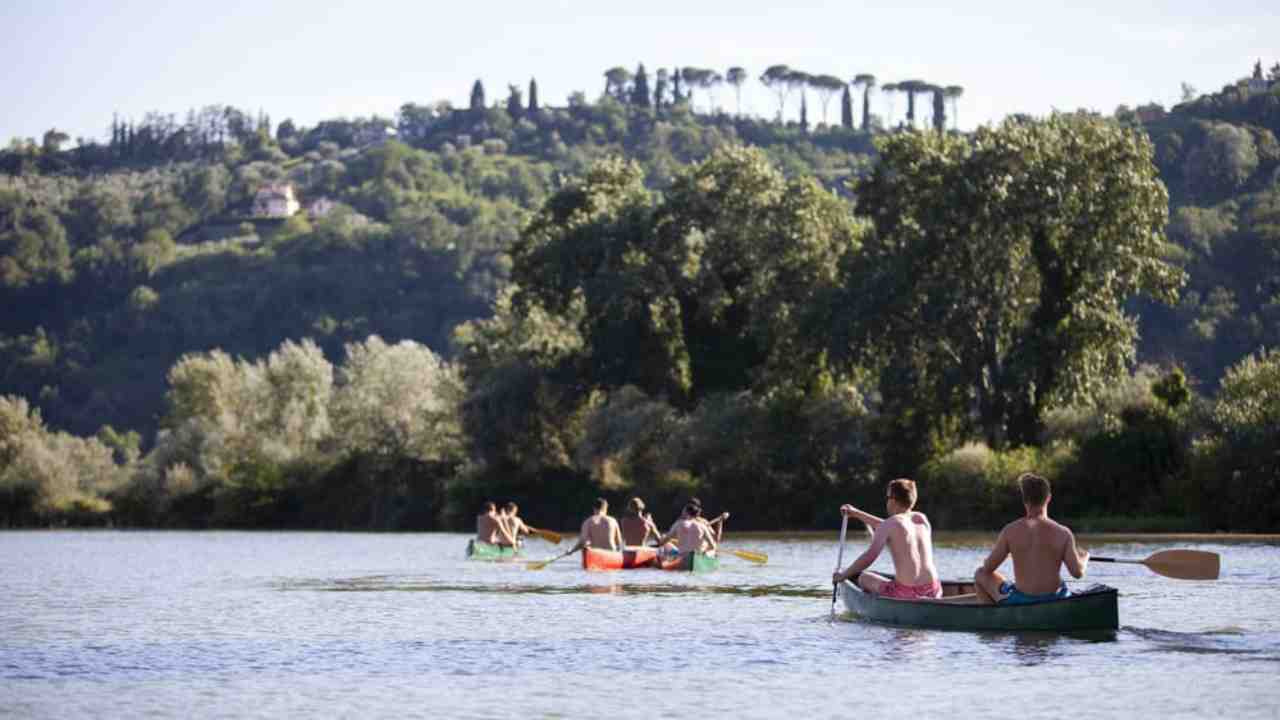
pixel 505 530
pixel 869 555
pixel 710 538
pixel 615 531
pixel 650 528
pixel 1076 560
pixel 871 521
pixel 998 554
pixel 719 524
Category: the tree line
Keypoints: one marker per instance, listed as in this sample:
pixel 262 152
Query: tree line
pixel 613 326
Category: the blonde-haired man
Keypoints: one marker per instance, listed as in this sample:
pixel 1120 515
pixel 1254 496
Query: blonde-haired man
pixel 910 540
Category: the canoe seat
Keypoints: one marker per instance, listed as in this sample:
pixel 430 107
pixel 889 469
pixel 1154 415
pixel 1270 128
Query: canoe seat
pixel 966 599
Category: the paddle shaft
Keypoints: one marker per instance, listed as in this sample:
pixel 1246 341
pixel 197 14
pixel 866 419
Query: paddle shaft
pixel 835 588
pixel 541 564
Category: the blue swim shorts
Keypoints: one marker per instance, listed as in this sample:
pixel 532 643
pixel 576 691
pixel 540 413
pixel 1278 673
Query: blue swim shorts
pixel 1017 597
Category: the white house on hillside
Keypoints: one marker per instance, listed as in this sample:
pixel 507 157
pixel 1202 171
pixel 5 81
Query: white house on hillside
pixel 275 200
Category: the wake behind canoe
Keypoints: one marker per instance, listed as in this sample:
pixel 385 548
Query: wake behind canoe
pixel 1094 609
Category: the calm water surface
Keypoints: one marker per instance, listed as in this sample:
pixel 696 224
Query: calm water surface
pixel 131 624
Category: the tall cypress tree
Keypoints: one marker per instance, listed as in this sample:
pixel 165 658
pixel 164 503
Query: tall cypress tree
pixel 677 95
pixel 533 95
pixel 640 96
pixel 804 113
pixel 477 97
pixel 939 110
pixel 846 109
pixel 515 104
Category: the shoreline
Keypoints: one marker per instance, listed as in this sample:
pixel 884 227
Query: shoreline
pixel 956 537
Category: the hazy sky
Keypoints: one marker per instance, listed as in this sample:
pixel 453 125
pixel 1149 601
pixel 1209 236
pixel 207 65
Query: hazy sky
pixel 73 63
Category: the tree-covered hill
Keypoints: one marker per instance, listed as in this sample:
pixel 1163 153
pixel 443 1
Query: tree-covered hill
pixel 644 293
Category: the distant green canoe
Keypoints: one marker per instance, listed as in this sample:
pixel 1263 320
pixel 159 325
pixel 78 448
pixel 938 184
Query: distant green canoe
pixel 692 562
pixel 1094 609
pixel 484 551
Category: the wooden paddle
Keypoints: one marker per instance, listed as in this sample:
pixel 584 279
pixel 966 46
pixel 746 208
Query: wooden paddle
pixel 835 587
pixel 756 557
pixel 539 564
pixel 1179 564
pixel 552 537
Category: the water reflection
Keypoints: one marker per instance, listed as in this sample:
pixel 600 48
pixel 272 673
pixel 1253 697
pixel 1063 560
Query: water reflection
pixel 911 644
pixel 1036 648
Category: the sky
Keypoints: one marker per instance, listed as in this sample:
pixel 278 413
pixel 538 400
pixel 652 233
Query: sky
pixel 73 63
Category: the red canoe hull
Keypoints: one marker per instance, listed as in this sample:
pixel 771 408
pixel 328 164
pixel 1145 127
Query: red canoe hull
pixel 628 558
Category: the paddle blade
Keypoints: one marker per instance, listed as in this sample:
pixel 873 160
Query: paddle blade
pixel 551 537
pixel 538 565
pixel 755 557
pixel 1185 564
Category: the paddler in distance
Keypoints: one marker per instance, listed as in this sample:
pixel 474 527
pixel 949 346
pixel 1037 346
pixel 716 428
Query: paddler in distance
pixel 691 532
pixel 490 527
pixel 600 530
pixel 637 525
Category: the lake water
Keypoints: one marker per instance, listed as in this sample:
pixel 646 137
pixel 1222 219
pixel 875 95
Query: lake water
pixel 224 624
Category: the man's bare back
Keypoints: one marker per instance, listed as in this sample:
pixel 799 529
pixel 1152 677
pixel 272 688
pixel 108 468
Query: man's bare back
pixel 635 529
pixel 693 535
pixel 910 541
pixel 601 532
pixel 1040 547
pixel 489 529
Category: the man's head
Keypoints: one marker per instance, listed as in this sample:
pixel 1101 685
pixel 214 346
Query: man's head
pixel 1035 490
pixel 511 508
pixel 600 505
pixel 636 506
pixel 488 507
pixel 902 492
pixel 692 511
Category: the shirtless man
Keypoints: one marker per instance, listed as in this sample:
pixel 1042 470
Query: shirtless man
pixel 691 532
pixel 910 540
pixel 716 525
pixel 511 518
pixel 1040 547
pixel 490 527
pixel 637 526
pixel 599 531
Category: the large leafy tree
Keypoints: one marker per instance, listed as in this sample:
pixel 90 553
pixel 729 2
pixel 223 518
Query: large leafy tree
pixel 695 292
pixel 1000 266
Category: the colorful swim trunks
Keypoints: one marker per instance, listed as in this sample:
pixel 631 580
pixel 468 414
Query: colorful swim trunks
pixel 1017 597
pixel 899 591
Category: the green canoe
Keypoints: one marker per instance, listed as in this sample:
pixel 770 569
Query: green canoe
pixel 1094 609
pixel 692 562
pixel 477 550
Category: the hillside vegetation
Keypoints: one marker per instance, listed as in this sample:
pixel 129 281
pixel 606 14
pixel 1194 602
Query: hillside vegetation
pixel 648 295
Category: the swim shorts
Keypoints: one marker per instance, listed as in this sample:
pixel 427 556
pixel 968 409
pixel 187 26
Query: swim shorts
pixel 1017 597
pixel 898 591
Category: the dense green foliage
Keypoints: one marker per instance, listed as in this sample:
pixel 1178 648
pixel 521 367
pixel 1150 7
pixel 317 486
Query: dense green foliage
pixel 775 317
